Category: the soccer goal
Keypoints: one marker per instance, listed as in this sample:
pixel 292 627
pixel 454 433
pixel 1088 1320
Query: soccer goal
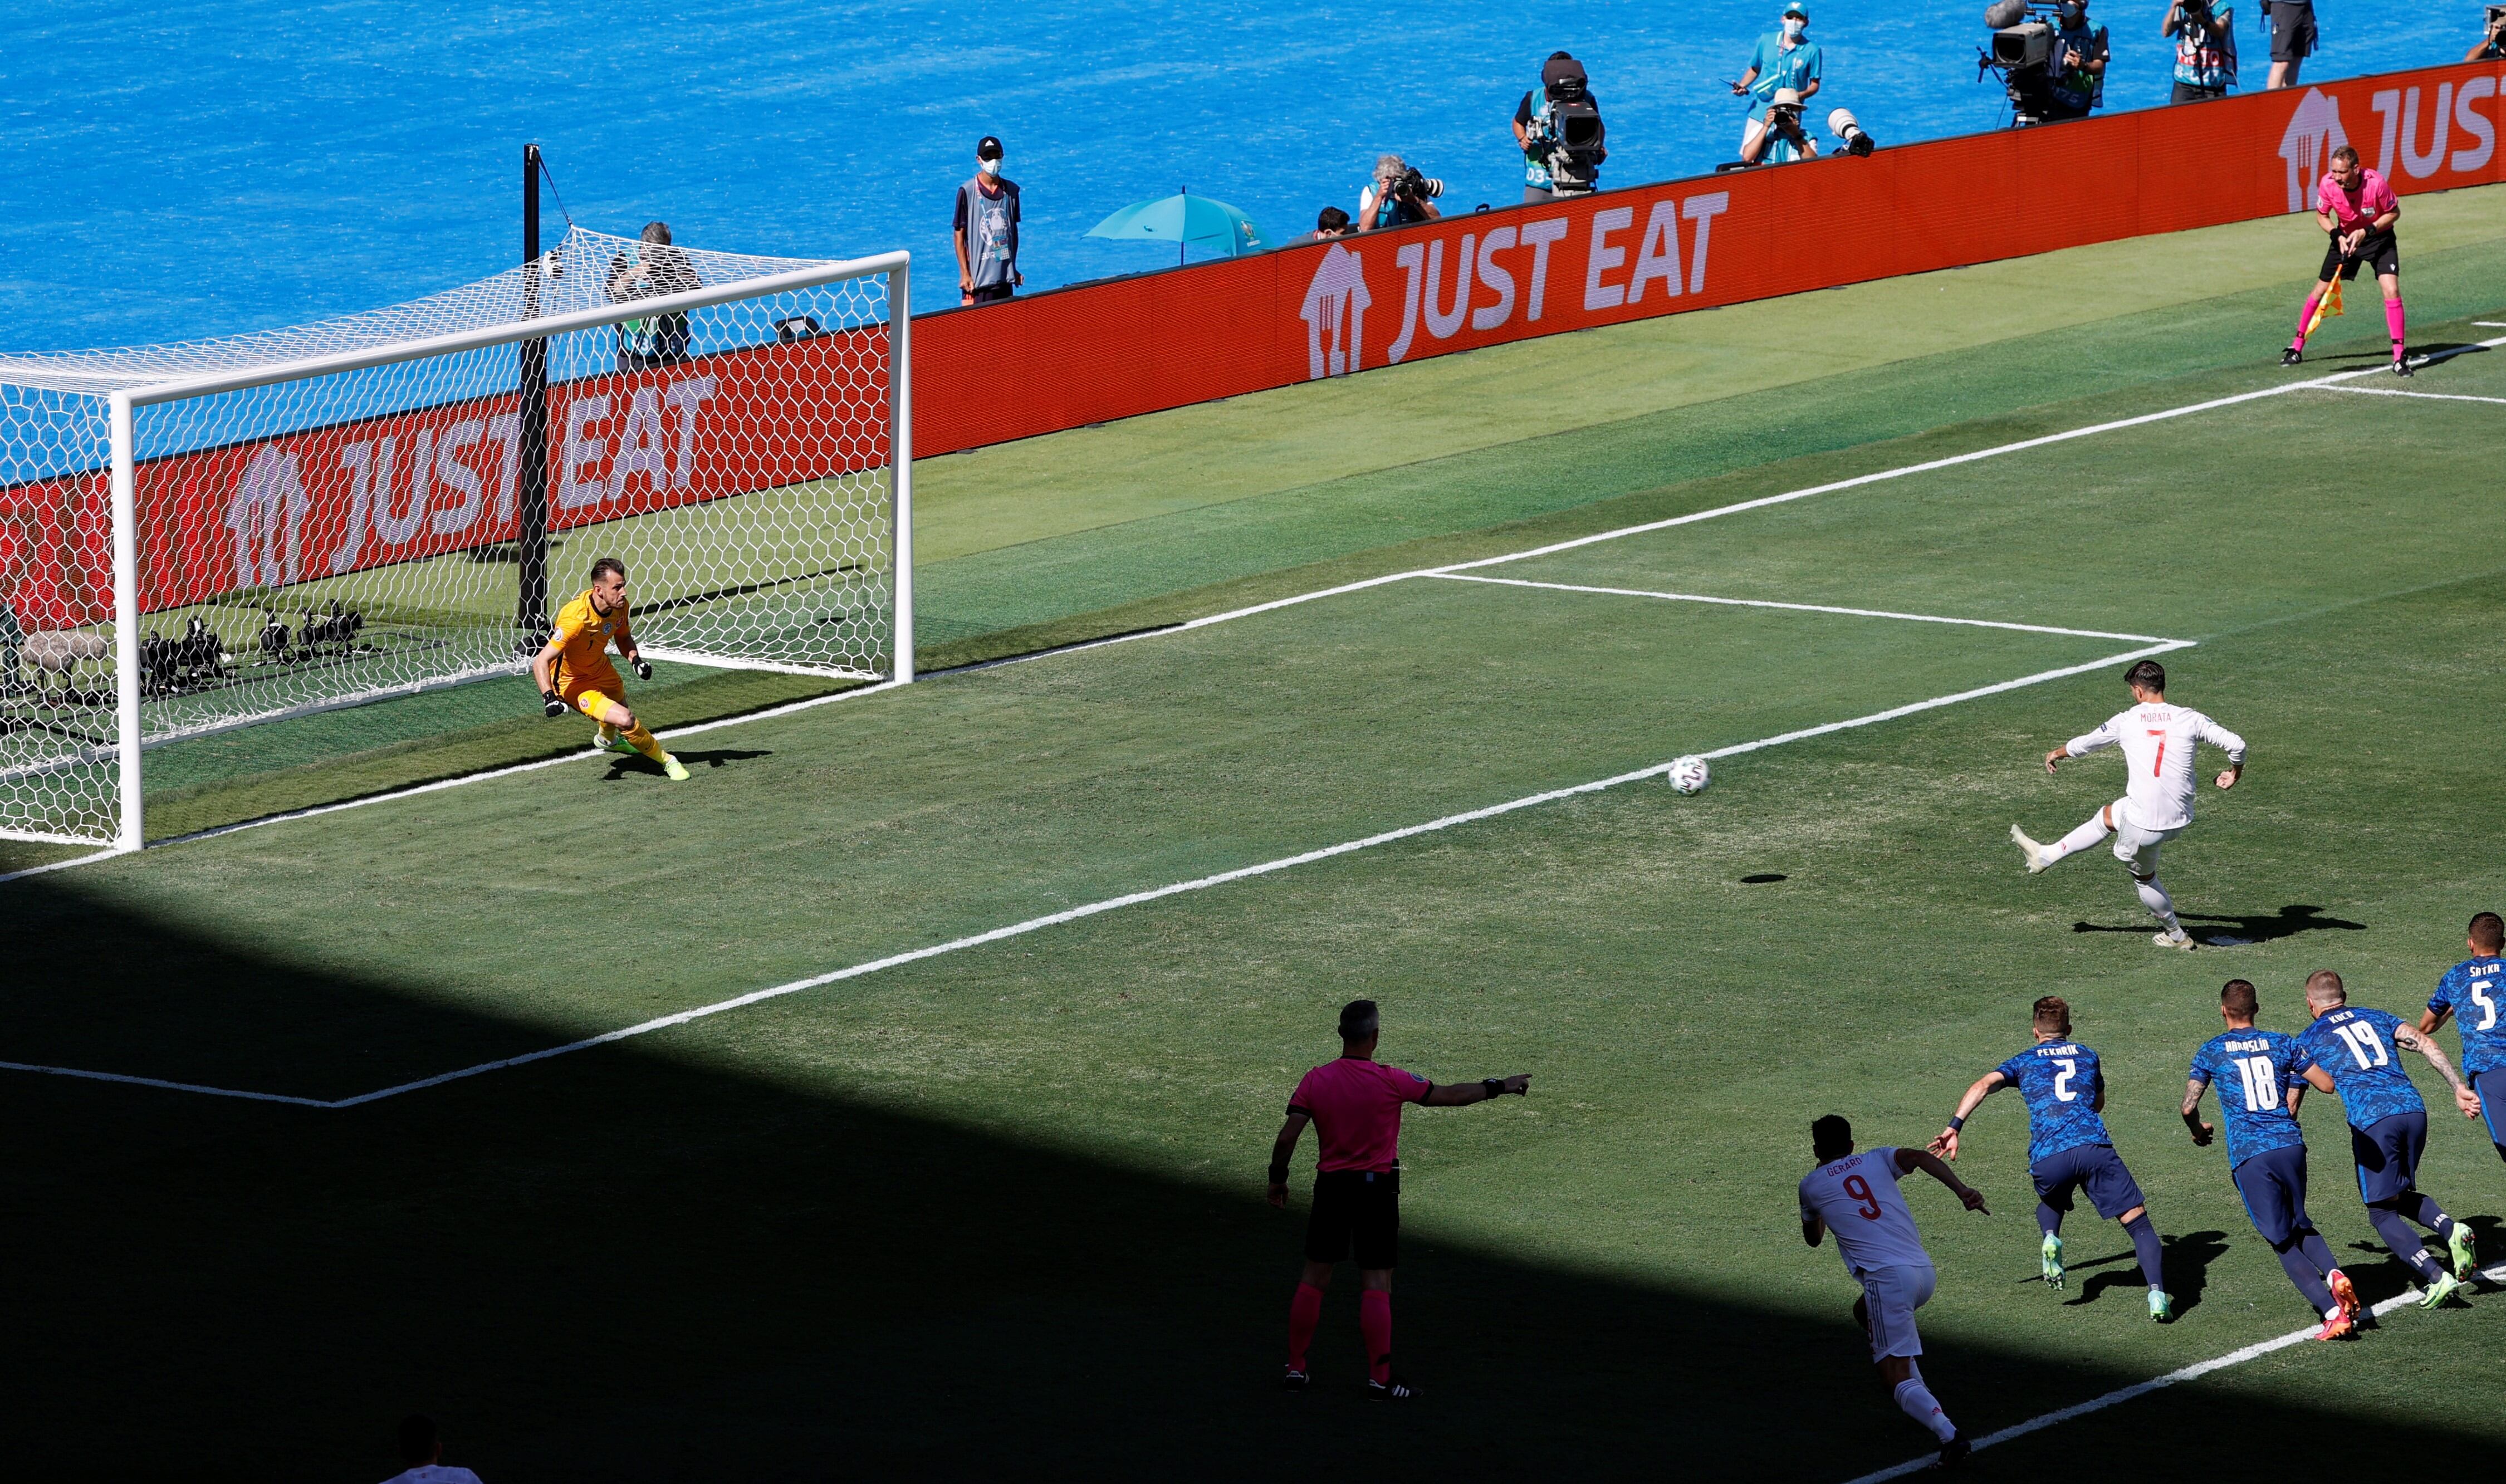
pixel 223 532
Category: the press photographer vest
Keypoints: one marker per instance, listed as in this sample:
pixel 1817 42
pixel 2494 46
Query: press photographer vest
pixel 2208 64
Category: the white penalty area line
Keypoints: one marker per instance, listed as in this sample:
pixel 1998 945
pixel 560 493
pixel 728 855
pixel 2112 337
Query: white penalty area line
pixel 2394 391
pixel 1803 608
pixel 1206 620
pixel 1108 904
pixel 2495 1273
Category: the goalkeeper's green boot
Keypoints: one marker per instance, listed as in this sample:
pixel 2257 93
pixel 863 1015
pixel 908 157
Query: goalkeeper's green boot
pixel 2052 1252
pixel 2464 1248
pixel 672 767
pixel 609 741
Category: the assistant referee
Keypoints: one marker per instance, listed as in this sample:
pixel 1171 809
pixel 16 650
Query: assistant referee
pixel 2357 208
pixel 1354 1104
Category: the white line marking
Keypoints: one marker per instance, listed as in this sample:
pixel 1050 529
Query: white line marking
pixel 1799 607
pixel 1207 619
pixel 2193 1372
pixel 2394 391
pixel 1111 903
pixel 2490 324
pixel 37 870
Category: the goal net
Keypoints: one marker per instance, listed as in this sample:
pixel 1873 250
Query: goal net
pixel 203 536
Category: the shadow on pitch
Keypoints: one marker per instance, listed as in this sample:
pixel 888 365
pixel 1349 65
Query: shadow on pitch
pixel 694 1257
pixel 2185 1263
pixel 646 767
pixel 2254 927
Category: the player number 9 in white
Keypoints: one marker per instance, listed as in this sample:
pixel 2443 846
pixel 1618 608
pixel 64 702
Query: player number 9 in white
pixel 2262 1084
pixel 2063 1092
pixel 2364 1043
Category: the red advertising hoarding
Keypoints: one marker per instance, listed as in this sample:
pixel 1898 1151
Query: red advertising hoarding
pixel 400 488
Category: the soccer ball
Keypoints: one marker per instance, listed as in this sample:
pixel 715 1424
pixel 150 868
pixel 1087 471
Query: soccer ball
pixel 1688 776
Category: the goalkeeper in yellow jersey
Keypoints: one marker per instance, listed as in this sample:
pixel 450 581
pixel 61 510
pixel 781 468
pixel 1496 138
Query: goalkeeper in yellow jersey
pixel 574 669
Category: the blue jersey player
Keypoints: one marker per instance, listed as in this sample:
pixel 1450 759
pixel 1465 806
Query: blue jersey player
pixel 2356 1052
pixel 2473 995
pixel 2068 1149
pixel 2259 1089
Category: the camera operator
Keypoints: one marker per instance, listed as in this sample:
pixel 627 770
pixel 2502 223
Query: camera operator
pixel 1397 197
pixel 2077 72
pixel 1562 136
pixel 2491 46
pixel 2205 51
pixel 1785 61
pixel 2291 25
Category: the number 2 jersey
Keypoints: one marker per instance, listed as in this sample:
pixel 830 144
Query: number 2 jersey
pixel 1858 1198
pixel 2474 993
pixel 2355 1044
pixel 2158 743
pixel 2061 1079
pixel 2253 1070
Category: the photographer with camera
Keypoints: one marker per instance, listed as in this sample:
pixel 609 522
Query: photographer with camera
pixel 1397 197
pixel 2078 73
pixel 2205 51
pixel 1562 136
pixel 1785 61
pixel 2492 45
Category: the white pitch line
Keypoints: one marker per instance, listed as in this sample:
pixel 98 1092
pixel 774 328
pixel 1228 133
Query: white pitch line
pixel 1799 607
pixel 2495 1273
pixel 1232 614
pixel 2394 391
pixel 1111 904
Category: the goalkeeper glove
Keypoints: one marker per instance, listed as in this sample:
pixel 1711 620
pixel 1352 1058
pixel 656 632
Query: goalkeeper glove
pixel 643 667
pixel 552 703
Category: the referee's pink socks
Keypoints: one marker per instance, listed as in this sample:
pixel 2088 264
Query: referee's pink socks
pixel 2393 323
pixel 2305 317
pixel 1375 1319
pixel 1305 1311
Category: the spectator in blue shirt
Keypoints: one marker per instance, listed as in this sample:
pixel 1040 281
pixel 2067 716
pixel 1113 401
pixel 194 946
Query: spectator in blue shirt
pixel 2205 51
pixel 1785 58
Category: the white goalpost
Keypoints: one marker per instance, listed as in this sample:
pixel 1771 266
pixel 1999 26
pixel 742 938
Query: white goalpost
pixel 217 534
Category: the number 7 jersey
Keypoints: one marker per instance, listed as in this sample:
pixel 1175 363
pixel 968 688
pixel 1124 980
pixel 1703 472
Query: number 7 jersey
pixel 2158 743
pixel 1858 1198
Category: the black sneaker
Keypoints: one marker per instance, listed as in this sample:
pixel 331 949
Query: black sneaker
pixel 2401 366
pixel 1953 1453
pixel 1397 1390
pixel 2291 356
pixel 1294 1381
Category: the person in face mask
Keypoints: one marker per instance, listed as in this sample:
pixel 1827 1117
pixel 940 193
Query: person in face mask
pixel 988 231
pixel 1785 58
pixel 2078 68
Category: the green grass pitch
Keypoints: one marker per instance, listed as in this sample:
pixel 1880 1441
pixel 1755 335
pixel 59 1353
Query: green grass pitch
pixel 998 1210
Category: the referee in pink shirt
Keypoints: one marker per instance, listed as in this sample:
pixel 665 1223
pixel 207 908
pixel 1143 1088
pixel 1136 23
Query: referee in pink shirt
pixel 1355 1104
pixel 2357 209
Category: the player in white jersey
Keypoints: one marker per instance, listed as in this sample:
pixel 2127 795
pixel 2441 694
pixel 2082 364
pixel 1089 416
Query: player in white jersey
pixel 2157 742
pixel 1856 1197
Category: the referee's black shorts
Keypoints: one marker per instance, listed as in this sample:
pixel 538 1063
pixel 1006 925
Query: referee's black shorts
pixel 1356 1213
pixel 2380 252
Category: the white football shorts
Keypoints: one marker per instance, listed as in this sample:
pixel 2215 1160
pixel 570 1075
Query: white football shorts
pixel 2137 848
pixel 1890 1295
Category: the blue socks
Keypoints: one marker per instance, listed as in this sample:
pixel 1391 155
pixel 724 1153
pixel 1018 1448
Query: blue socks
pixel 2145 1241
pixel 2404 1242
pixel 2048 1220
pixel 2302 1271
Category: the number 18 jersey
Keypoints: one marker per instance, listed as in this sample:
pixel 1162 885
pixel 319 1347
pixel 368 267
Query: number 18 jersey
pixel 2253 1071
pixel 1858 1198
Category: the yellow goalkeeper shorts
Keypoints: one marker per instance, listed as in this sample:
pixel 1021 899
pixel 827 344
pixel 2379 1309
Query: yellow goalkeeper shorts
pixel 591 700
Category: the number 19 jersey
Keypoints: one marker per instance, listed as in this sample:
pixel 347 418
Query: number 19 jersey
pixel 1858 1198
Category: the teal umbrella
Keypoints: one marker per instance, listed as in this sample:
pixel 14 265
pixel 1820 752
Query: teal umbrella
pixel 1185 220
